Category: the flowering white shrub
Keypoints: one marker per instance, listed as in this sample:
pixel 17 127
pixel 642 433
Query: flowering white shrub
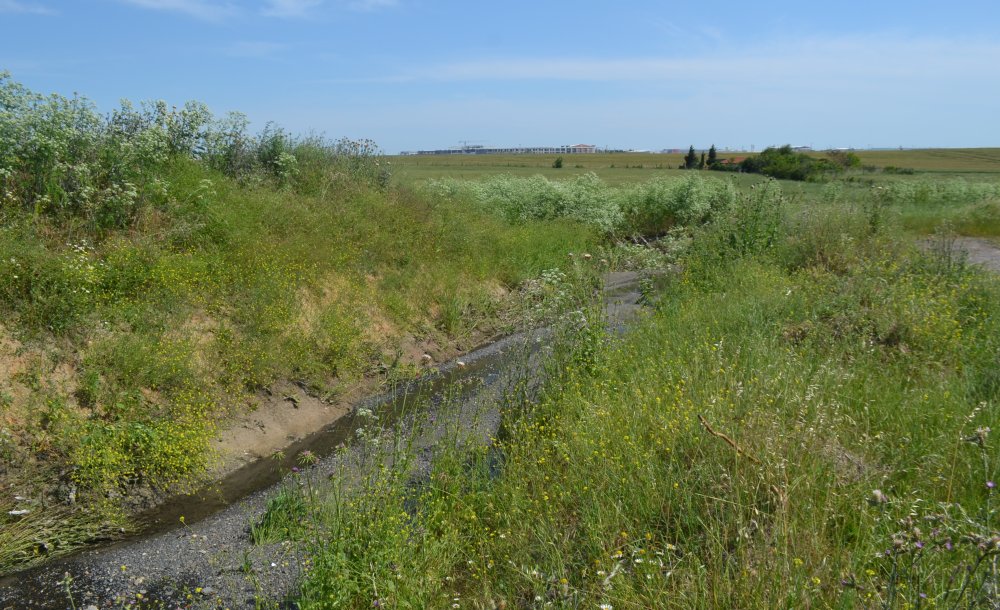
pixel 647 208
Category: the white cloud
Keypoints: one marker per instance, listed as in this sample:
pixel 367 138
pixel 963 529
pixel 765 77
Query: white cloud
pixel 207 10
pixel 303 8
pixel 289 8
pixel 15 6
pixel 371 5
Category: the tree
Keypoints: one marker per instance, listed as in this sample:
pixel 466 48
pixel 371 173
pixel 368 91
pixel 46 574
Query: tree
pixel 786 164
pixel 558 163
pixel 844 159
pixel 691 159
pixel 713 157
pixel 701 164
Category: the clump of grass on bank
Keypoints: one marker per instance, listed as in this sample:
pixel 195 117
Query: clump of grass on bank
pixel 804 421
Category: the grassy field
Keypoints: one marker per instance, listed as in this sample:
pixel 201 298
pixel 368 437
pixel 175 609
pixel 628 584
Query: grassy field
pixel 617 168
pixel 804 420
pixel 945 160
pixel 620 168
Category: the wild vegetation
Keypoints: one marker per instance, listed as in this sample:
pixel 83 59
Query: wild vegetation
pixel 160 269
pixel 644 209
pixel 803 420
pixel 784 163
pixel 806 415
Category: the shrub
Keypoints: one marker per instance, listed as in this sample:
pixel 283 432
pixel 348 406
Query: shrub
pixel 59 157
pixel 786 164
pixel 649 208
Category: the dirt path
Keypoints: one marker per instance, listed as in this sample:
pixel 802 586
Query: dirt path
pixel 215 561
pixel 980 251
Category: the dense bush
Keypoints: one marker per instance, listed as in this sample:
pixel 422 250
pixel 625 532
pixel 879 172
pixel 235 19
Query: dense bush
pixel 648 208
pixel 786 164
pixel 61 158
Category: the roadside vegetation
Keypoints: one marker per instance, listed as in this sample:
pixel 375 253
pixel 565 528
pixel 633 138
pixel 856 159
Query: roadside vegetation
pixel 161 268
pixel 804 419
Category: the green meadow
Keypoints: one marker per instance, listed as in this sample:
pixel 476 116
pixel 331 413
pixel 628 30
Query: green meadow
pixel 619 168
pixel 804 418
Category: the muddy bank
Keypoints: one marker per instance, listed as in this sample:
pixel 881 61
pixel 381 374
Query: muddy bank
pixel 209 559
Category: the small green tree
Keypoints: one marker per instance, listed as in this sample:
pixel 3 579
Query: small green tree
pixel 701 162
pixel 713 157
pixel 558 163
pixel 691 159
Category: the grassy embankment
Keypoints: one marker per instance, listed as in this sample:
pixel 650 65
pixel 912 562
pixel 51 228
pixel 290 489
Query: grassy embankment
pixel 803 421
pixel 160 269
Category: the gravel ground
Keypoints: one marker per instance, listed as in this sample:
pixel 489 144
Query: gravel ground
pixel 980 252
pixel 214 564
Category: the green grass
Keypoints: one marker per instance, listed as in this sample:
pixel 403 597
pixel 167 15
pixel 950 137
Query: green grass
pixel 621 168
pixel 160 268
pixel 614 168
pixel 947 160
pixel 786 430
pixel 134 346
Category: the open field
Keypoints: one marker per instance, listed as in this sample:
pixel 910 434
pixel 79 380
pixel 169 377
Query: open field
pixel 957 160
pixel 619 168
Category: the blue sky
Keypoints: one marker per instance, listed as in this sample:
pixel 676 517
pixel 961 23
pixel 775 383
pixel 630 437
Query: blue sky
pixel 633 74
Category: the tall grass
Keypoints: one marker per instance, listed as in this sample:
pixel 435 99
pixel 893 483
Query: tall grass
pixel 804 423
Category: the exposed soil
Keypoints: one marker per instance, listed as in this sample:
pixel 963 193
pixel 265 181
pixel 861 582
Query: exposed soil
pixel 211 557
pixel 980 251
pixel 287 413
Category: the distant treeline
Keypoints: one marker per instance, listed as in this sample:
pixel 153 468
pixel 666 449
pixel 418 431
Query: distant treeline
pixel 783 163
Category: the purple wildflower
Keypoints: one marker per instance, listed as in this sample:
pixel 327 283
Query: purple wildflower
pixel 948 545
pixel 919 544
pixel 990 484
pixel 295 468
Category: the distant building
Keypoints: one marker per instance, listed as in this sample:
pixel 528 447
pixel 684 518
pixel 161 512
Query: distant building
pixel 574 149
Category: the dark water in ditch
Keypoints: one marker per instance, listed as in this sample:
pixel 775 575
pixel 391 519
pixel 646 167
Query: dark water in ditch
pixel 221 510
